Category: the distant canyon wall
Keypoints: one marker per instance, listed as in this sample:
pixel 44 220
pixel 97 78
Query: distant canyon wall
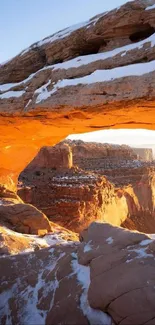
pixel 74 197
pixel 144 153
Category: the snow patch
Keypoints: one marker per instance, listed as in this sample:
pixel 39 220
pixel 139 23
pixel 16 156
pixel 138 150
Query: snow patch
pixel 11 94
pixel 8 86
pixel 141 253
pixel 30 100
pixel 79 61
pixel 151 236
pixel 107 75
pixel 87 247
pixel 109 240
pixel 43 92
pixel 150 7
pixel 87 59
pixel 94 316
pixel 146 242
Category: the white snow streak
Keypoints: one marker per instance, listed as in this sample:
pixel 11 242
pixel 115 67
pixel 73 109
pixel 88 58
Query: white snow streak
pixel 11 94
pixel 94 316
pixel 109 240
pixel 150 7
pixel 107 75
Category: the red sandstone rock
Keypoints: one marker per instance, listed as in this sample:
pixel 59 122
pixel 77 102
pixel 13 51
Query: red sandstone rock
pixel 21 217
pixel 73 198
pixel 132 25
pixel 111 270
pixel 76 197
pixel 122 273
pixel 56 157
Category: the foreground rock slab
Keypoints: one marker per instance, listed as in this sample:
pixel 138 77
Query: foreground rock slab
pixel 122 273
pixel 52 291
pixel 111 272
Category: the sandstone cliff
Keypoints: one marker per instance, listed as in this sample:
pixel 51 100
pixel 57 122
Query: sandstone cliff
pixel 72 199
pixel 109 183
pixel 144 153
pixel 92 76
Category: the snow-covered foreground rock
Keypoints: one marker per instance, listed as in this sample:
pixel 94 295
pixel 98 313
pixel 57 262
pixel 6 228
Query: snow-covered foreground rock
pixel 108 276
pixel 47 287
pixel 12 242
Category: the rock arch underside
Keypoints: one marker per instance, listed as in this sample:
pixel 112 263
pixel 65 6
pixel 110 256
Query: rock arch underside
pixel 97 75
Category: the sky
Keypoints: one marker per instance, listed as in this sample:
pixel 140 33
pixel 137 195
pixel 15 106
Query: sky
pixel 24 22
pixel 132 137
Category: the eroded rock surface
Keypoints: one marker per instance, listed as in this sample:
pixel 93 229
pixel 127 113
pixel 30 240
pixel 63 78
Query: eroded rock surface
pixel 122 272
pixel 144 153
pixel 107 183
pixel 21 217
pixel 58 157
pixel 111 272
pixel 72 197
pixel 96 75
pixel 85 65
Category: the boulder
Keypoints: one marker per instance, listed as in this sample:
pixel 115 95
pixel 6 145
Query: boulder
pixel 21 217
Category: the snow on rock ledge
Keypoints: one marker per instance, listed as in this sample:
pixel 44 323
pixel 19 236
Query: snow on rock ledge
pixel 96 54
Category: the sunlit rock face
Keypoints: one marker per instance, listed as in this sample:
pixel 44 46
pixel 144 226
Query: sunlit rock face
pixel 132 176
pixel 58 157
pixel 96 75
pixel 21 217
pixel 70 197
pixel 144 153
pixel 107 183
pixel 106 180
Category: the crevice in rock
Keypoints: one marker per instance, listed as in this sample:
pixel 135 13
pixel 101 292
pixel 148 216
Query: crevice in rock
pixel 144 31
pixel 42 55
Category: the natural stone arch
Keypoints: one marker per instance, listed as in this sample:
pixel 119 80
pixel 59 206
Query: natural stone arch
pixel 22 137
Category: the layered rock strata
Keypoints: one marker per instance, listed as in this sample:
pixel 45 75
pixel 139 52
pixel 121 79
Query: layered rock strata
pixel 112 180
pixel 100 73
pixel 73 198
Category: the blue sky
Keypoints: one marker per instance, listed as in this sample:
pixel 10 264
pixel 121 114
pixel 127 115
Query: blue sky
pixel 23 22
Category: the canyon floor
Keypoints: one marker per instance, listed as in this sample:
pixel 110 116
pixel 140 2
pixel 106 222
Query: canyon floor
pixel 77 219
